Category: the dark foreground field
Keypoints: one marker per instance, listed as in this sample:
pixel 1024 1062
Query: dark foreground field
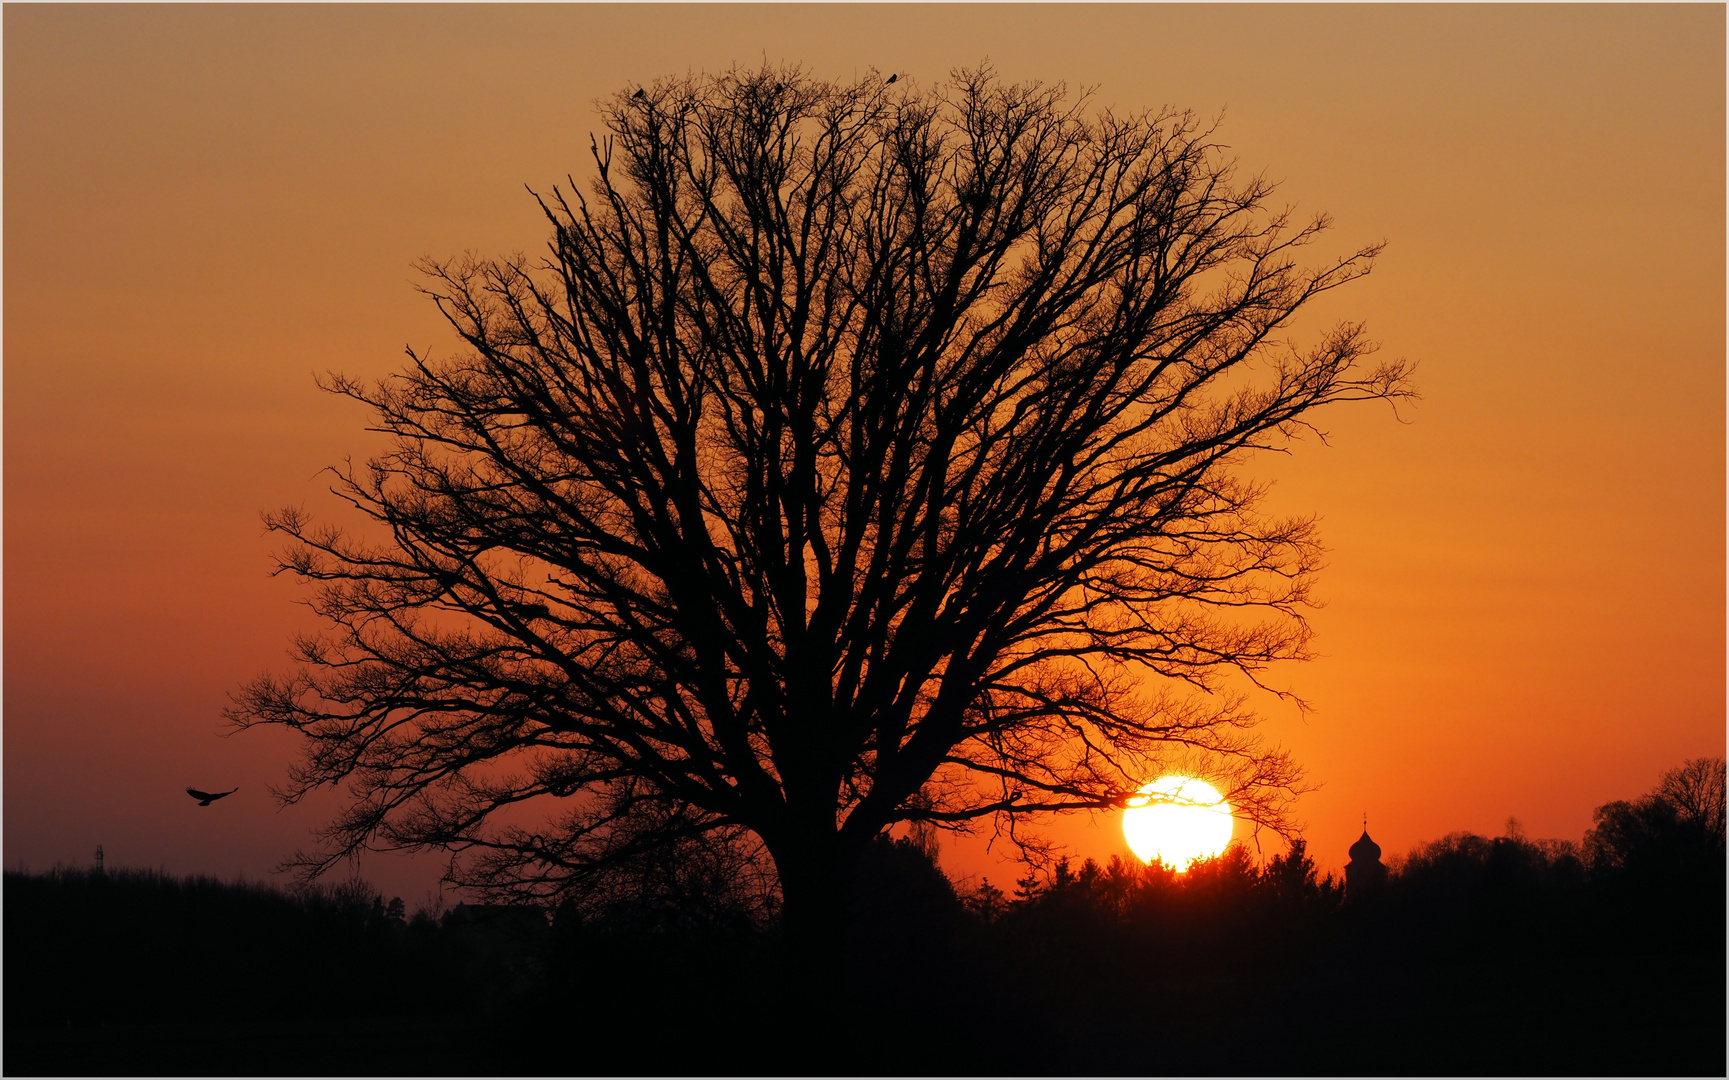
pixel 1480 956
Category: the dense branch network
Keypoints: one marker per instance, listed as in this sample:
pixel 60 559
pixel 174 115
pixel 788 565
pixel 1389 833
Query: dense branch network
pixel 858 455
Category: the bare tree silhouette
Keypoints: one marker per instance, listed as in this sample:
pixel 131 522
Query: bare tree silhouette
pixel 860 455
pixel 1677 827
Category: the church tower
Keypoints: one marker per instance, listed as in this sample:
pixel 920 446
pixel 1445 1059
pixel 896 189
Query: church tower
pixel 1365 874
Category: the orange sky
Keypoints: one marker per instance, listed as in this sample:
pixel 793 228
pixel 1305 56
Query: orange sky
pixel 204 205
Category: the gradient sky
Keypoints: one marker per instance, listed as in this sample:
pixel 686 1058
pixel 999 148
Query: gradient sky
pixel 205 205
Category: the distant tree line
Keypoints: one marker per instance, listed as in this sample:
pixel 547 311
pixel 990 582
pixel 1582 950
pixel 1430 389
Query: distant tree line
pixel 1482 953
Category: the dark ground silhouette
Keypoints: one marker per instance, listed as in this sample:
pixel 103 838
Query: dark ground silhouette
pixel 1479 955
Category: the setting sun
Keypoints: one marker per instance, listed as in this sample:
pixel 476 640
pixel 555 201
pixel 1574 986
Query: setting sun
pixel 1177 819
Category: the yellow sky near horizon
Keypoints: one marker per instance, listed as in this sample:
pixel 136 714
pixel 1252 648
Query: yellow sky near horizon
pixel 1525 588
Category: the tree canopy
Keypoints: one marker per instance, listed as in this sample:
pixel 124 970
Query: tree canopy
pixel 857 454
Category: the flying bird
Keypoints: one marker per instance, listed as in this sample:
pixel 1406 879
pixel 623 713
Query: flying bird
pixel 892 78
pixel 205 798
pixel 640 92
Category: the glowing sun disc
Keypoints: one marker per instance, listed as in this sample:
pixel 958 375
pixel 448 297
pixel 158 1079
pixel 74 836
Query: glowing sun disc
pixel 1177 819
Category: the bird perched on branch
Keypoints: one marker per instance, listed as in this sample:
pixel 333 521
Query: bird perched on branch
pixel 205 798
pixel 640 92
pixel 892 78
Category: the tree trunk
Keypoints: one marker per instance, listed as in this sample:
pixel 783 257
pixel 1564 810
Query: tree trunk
pixel 814 910
pixel 814 918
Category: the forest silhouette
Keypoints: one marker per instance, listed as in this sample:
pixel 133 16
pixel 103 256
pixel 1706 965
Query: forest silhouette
pixel 1479 955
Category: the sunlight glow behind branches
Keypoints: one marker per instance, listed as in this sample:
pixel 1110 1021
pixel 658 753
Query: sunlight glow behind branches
pixel 1177 819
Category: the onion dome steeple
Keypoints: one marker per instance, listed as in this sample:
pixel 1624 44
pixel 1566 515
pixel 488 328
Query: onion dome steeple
pixel 1365 873
pixel 1365 849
